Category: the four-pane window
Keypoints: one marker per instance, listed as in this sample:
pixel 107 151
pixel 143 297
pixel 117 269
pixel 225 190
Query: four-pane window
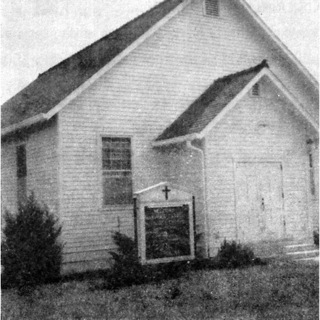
pixel 117 174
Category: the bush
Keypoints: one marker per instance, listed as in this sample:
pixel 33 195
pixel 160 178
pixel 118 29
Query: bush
pixel 127 270
pixel 30 251
pixel 234 255
pixel 316 237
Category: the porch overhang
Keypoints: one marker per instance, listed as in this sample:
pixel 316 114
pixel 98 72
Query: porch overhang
pixel 265 72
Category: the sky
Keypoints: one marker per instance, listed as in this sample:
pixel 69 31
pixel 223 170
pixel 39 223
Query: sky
pixel 37 34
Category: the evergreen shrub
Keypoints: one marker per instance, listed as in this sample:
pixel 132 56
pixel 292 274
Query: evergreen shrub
pixel 127 269
pixel 234 255
pixel 31 252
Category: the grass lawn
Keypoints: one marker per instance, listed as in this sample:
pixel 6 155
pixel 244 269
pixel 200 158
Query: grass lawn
pixel 280 290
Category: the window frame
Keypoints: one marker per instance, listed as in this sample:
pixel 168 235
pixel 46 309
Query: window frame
pixel 311 169
pixel 21 177
pixel 312 182
pixel 101 170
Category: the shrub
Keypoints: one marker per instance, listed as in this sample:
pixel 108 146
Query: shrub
pixel 234 255
pixel 316 237
pixel 127 270
pixel 31 253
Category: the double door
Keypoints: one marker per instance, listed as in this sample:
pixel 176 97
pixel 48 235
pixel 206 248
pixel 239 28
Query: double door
pixel 259 201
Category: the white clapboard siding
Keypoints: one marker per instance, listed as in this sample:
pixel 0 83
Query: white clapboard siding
pixel 238 138
pixel 8 177
pixel 140 97
pixel 42 168
pixel 183 167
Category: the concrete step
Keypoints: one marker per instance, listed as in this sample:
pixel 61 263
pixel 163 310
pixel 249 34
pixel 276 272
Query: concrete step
pixel 286 248
pixel 309 260
pixel 302 251
pixel 299 247
pixel 303 254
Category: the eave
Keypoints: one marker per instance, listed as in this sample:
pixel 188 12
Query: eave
pixel 23 124
pixel 98 74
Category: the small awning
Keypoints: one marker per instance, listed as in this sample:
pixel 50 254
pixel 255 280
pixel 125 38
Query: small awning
pixel 203 110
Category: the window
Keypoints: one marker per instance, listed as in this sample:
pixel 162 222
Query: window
pixel 312 177
pixel 116 167
pixel 311 173
pixel 21 173
pixel 256 90
pixel 211 7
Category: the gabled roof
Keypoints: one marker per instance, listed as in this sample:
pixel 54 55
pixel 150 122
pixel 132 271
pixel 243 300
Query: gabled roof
pixel 203 110
pixel 221 96
pixel 52 86
pixel 56 87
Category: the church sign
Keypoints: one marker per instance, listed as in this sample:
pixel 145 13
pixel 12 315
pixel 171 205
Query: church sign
pixel 167 231
pixel 164 224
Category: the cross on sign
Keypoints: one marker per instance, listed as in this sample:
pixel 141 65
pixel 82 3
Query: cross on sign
pixel 166 190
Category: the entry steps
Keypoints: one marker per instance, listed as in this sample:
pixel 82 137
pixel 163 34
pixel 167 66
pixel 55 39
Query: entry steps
pixel 297 250
pixel 302 252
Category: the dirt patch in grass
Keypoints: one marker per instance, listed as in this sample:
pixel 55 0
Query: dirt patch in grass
pixel 280 290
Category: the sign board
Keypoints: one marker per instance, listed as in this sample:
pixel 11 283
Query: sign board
pixel 164 224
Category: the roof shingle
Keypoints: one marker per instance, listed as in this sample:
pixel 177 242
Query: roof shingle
pixel 54 85
pixel 203 110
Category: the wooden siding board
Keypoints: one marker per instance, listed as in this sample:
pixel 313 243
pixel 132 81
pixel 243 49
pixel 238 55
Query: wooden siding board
pixel 8 177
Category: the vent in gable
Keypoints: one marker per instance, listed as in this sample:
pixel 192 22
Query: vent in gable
pixel 211 7
pixel 256 90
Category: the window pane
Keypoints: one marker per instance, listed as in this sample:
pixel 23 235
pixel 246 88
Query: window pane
pixel 106 143
pixel 106 164
pixel 116 143
pixel 115 153
pixel 126 164
pixel 116 164
pixel 106 154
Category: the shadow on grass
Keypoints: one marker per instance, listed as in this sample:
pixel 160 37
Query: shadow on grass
pixel 140 274
pixel 152 274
